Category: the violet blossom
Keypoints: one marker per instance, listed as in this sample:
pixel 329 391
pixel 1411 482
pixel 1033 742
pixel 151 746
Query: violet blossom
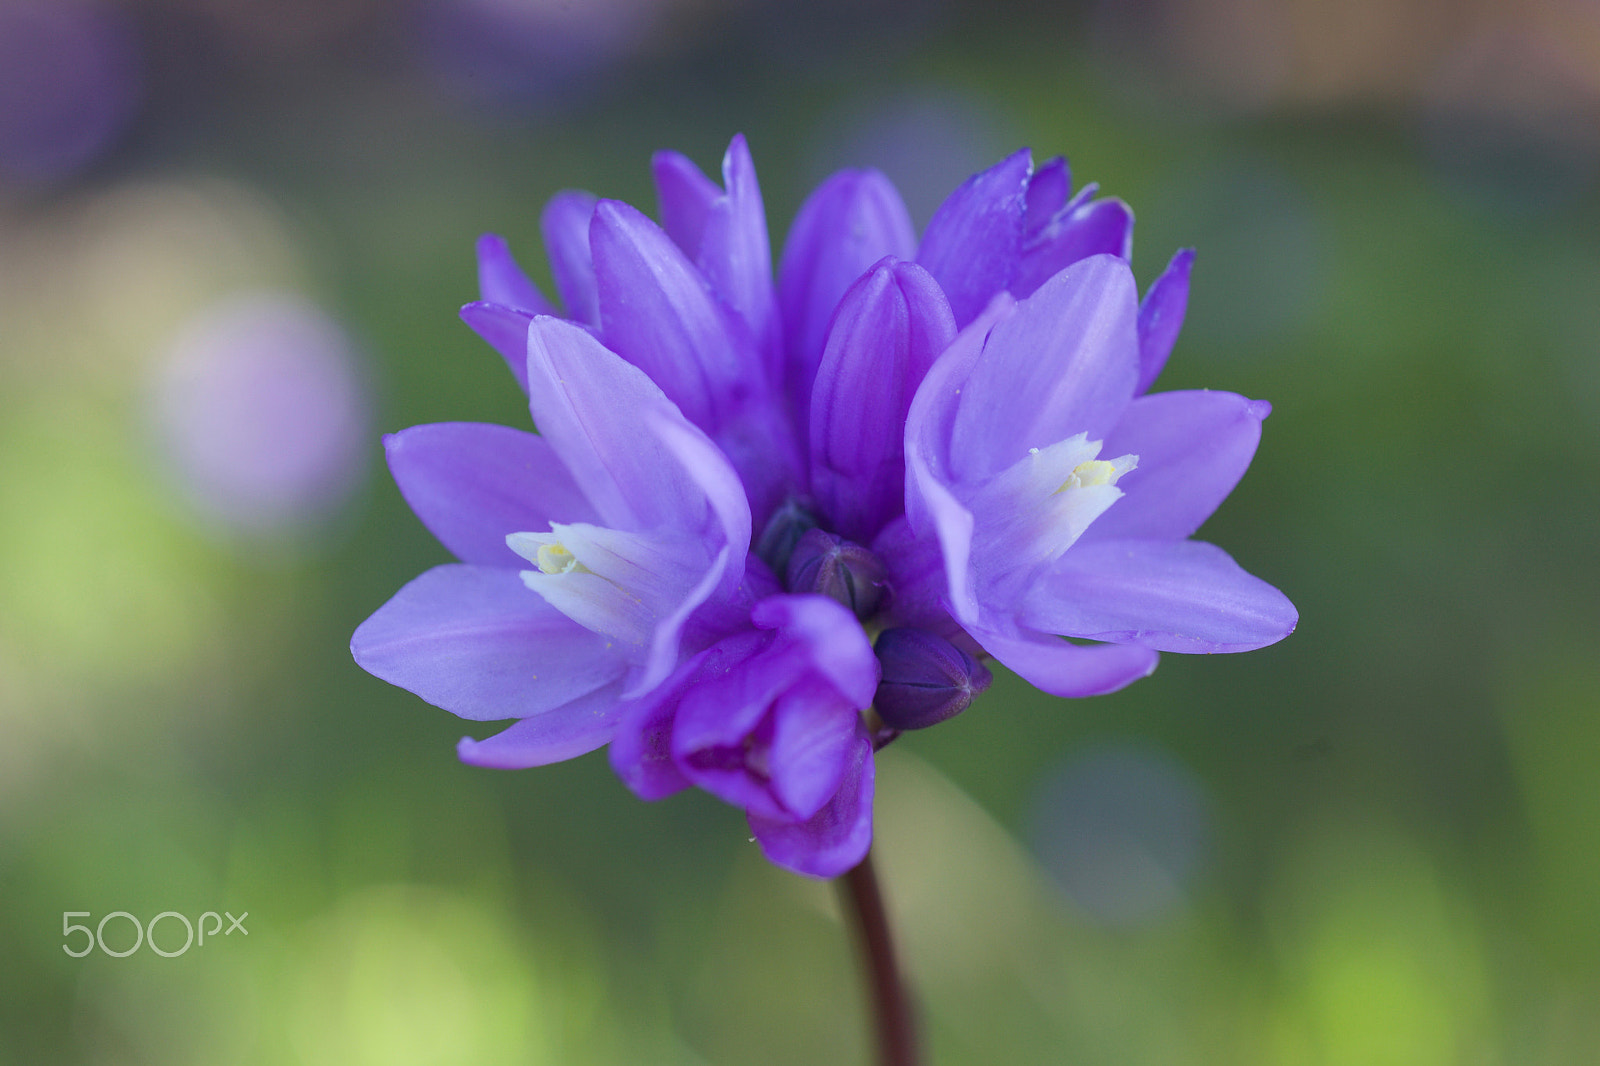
pixel 735 484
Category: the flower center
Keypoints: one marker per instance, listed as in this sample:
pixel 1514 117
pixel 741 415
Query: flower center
pixel 1092 472
pixel 556 559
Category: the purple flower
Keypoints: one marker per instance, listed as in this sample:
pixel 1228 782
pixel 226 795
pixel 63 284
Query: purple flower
pixel 636 530
pixel 736 482
pixel 1020 442
pixel 769 720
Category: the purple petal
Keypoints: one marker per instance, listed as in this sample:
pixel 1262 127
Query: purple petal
pixel 1161 317
pixel 658 313
pixel 501 280
pixel 1184 596
pixel 592 407
pixel 506 328
pixel 1052 665
pixel 723 729
pixel 475 641
pixel 1047 194
pixel 719 585
pixel 1102 227
pixel 627 583
pixel 736 255
pixel 933 512
pixel 851 221
pixel 641 750
pixel 930 421
pixel 565 224
pixel 973 241
pixel 1064 363
pixel 473 484
pixel 811 747
pixel 831 642
pixel 1193 448
pixel 685 195
pixel 837 837
pixel 917 575
pixel 732 695
pixel 891 325
pixel 556 735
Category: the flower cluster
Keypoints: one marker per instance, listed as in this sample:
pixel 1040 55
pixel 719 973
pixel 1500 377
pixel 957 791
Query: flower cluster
pixel 762 528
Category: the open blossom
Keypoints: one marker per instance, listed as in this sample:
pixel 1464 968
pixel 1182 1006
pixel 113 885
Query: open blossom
pixel 764 526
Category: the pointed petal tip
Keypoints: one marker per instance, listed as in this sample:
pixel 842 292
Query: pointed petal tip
pixel 1259 409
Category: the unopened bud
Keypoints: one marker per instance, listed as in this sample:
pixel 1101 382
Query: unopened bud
pixel 842 570
pixel 925 680
pixel 783 531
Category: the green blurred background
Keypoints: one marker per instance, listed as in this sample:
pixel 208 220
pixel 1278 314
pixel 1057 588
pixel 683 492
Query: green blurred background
pixel 233 237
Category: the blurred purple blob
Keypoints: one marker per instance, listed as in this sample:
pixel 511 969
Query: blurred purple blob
pixel 1123 828
pixel 69 83
pixel 928 141
pixel 516 56
pixel 261 414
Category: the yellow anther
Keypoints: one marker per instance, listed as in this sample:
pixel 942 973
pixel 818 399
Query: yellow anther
pixel 556 559
pixel 1092 472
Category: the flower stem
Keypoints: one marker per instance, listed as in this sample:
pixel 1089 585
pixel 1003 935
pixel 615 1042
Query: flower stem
pixel 858 892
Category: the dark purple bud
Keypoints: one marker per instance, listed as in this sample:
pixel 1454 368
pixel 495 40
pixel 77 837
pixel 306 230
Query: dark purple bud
pixel 926 679
pixel 783 531
pixel 837 568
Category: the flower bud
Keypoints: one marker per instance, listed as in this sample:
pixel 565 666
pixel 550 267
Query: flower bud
pixel 926 679
pixel 839 569
pixel 783 531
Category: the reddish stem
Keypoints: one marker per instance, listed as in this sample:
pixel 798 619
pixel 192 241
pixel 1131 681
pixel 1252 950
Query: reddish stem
pixel 897 1041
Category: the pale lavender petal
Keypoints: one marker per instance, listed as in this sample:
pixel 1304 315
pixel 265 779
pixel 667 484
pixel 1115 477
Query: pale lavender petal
pixel 1184 596
pixel 501 280
pixel 565 225
pixel 832 642
pixel 1053 665
pixel 472 484
pixel 1101 227
pixel 1064 363
pixel 658 312
pixel 649 570
pixel 1193 448
pixel 736 255
pixel 475 641
pixel 600 607
pixel 685 195
pixel 837 837
pixel 556 735
pixel 851 221
pixel 594 409
pixel 973 241
pixel 891 325
pixel 1161 317
pixel 1047 194
pixel 506 329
